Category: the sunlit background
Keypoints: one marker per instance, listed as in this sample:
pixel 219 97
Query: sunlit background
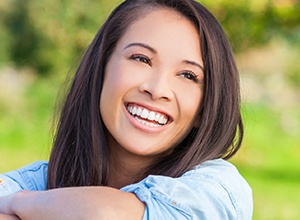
pixel 42 41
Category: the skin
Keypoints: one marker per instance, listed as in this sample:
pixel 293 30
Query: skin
pixel 8 217
pixel 171 84
pixel 73 203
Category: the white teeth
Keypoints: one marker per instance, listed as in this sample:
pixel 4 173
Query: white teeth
pixel 151 116
pixel 139 112
pixel 146 114
pixel 147 123
pixel 162 120
pixel 157 116
pixel 134 110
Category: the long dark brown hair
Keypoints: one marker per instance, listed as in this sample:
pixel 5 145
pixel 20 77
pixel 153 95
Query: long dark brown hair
pixel 80 154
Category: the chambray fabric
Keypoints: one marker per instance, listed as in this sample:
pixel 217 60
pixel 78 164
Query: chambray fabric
pixel 213 190
pixel 31 177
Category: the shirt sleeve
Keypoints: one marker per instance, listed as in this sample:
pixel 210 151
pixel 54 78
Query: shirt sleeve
pixel 31 177
pixel 214 190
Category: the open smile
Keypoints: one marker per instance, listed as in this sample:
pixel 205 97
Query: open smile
pixel 147 117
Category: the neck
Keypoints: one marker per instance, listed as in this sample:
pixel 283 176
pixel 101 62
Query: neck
pixel 125 168
pixel 121 175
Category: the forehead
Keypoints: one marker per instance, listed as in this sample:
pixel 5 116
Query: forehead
pixel 162 28
pixel 156 18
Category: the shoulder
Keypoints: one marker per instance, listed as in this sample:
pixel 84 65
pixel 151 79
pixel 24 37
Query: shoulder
pixel 219 172
pixel 221 177
pixel 31 177
pixel 212 190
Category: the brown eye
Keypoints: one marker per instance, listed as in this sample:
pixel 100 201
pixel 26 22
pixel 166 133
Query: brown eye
pixel 189 75
pixel 141 58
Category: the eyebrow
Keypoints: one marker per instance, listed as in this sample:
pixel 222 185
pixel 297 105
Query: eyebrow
pixel 154 51
pixel 194 64
pixel 141 45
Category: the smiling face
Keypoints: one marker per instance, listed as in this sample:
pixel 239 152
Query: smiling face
pixel 153 86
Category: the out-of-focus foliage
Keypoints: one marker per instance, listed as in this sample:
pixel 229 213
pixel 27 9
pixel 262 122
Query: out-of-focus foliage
pixel 251 23
pixel 47 35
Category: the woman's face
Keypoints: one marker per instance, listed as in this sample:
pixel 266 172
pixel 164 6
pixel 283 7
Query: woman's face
pixel 153 85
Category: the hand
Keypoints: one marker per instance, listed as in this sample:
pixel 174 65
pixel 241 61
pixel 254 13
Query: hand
pixel 10 205
pixel 8 217
pixel 6 208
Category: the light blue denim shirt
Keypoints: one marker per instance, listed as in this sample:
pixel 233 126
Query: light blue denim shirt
pixel 213 190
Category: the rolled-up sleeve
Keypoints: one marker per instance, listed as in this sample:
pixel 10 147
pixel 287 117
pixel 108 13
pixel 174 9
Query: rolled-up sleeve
pixel 213 190
pixel 31 177
pixel 8 186
pixel 161 201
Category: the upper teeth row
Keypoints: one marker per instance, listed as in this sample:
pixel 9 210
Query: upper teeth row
pixel 146 114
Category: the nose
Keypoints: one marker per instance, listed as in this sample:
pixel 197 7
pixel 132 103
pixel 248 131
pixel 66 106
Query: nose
pixel 158 87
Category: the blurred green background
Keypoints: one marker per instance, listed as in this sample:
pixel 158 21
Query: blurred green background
pixel 42 41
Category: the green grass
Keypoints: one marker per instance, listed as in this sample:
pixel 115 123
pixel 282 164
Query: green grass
pixel 269 158
pixel 25 126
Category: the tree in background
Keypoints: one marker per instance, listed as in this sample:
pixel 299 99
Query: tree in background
pixel 47 35
pixel 26 41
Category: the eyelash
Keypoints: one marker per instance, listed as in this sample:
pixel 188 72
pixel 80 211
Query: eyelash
pixel 190 75
pixel 141 58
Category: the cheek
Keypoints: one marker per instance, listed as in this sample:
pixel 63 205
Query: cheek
pixel 109 89
pixel 190 99
pixel 118 77
pixel 113 82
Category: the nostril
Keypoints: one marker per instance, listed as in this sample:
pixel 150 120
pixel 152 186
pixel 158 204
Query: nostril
pixel 144 89
pixel 156 91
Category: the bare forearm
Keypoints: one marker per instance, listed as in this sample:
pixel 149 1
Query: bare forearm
pixel 76 203
pixel 8 217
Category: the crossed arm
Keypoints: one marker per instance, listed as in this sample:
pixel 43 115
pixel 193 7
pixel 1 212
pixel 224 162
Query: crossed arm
pixel 8 217
pixel 72 203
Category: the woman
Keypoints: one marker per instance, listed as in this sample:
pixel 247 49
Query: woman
pixel 150 119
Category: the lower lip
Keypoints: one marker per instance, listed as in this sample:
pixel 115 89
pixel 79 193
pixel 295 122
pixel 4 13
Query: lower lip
pixel 143 127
